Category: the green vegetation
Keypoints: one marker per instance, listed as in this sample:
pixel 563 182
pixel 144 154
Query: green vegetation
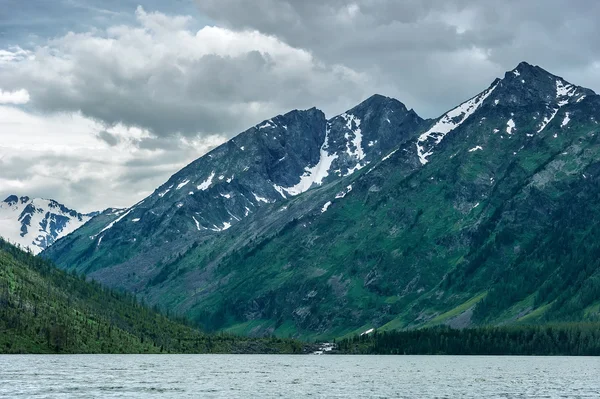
pixel 561 339
pixel 46 310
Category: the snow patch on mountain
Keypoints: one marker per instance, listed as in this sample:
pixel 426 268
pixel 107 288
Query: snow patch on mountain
pixel 162 194
pixel 564 91
pixel 316 174
pixel 111 224
pixel 566 121
pixel 261 199
pixel 206 183
pixel 447 123
pixel 226 225
pixel 182 184
pixel 344 192
pixel 547 120
pixel 510 126
pixel 280 190
pixel 267 124
pixel 351 121
pixel 355 168
pixel 197 223
pixel 388 156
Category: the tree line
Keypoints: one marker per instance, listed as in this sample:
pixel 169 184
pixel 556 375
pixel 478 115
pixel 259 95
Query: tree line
pixel 573 339
pixel 46 310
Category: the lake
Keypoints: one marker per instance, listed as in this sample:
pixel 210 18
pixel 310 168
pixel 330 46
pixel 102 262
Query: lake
pixel 268 376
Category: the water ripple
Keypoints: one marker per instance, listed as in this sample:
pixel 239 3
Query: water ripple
pixel 235 376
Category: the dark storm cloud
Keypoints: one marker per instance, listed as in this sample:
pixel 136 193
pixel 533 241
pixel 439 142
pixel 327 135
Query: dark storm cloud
pixel 431 54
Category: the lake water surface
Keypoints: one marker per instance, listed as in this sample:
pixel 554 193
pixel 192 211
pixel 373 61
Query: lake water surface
pixel 246 376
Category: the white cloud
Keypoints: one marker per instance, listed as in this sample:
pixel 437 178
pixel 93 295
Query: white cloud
pixel 13 54
pixel 17 97
pixel 160 76
pixel 61 157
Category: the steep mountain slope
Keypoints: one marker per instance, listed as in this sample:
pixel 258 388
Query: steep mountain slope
pixel 45 310
pixel 475 235
pixel 484 215
pixel 271 162
pixel 36 223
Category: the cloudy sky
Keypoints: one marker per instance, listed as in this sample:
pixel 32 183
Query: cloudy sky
pixel 102 100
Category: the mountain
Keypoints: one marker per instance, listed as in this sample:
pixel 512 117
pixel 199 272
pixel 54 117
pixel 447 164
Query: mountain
pixel 270 163
pixel 36 223
pixel 485 215
pixel 45 310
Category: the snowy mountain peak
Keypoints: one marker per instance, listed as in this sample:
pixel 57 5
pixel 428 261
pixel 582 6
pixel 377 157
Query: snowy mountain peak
pixel 13 200
pixel 37 223
pixel 530 84
pixel 274 160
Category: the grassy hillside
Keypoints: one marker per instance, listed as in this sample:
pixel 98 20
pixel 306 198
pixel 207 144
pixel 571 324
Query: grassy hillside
pixel 46 310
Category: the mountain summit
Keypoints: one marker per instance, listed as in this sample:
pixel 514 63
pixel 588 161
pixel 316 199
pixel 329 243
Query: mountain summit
pixel 528 84
pixel 36 223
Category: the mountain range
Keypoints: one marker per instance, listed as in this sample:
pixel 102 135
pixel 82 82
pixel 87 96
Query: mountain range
pixel 376 218
pixel 36 223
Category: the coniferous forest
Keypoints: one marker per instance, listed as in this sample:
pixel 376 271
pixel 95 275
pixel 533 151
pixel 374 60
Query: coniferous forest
pixel 576 339
pixel 46 310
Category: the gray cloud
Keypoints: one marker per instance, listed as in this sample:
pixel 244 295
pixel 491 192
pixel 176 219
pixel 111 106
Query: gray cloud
pixel 160 76
pixel 89 182
pixel 62 157
pixel 431 54
pixel 109 138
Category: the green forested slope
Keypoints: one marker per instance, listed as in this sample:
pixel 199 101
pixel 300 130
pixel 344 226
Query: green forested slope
pixel 46 310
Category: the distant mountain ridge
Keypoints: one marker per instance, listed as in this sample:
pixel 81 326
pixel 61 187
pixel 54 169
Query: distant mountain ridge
pixel 377 219
pixel 36 223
